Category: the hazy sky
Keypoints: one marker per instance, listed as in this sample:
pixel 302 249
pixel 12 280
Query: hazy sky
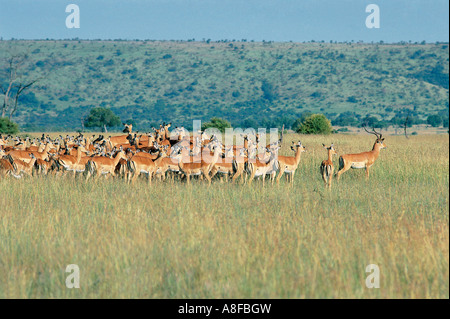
pixel 276 20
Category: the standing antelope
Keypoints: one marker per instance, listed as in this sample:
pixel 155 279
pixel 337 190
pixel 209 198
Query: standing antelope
pixel 22 166
pixel 203 168
pixel 327 167
pixel 103 165
pixel 257 167
pixel 289 164
pixel 6 168
pixel 362 160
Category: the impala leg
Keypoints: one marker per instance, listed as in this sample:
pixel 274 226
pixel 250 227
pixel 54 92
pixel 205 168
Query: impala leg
pixel 280 173
pixel 208 178
pixel 213 173
pixel 88 175
pixel 322 172
pixel 252 176
pixel 292 178
pixel 342 171
pixel 330 177
pixel 236 176
pixel 135 176
pixel 367 172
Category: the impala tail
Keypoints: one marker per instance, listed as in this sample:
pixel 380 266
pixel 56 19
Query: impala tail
pixel 341 163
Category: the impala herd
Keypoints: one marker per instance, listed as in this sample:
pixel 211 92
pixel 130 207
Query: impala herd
pixel 164 155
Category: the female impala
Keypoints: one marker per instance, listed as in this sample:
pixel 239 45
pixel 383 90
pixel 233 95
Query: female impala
pixel 24 167
pixel 69 162
pixel 327 167
pixel 289 164
pixel 25 156
pixel 257 167
pixel 103 165
pixel 362 160
pixel 138 165
pixel 203 167
pixel 6 168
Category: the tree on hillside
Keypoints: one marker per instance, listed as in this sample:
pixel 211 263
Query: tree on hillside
pixel 12 83
pixel 7 126
pixel 217 123
pixel 315 124
pixel 102 117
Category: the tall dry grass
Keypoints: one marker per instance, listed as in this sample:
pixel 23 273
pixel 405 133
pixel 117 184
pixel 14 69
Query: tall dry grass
pixel 234 241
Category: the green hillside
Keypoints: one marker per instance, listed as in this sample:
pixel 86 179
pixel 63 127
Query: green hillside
pixel 249 84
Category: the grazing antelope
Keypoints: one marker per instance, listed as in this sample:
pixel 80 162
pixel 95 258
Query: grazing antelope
pixel 327 167
pixel 289 164
pixel 362 160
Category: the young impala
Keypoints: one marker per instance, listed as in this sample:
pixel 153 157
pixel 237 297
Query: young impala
pixel 362 160
pixel 327 167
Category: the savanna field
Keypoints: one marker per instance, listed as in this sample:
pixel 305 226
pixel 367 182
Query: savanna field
pixel 171 240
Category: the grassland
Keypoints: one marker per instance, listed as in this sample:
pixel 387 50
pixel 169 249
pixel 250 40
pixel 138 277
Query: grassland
pixel 234 241
pixel 248 83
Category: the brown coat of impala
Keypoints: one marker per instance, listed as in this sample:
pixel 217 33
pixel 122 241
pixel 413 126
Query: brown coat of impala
pixel 6 168
pixel 24 167
pixel 256 167
pixel 327 167
pixel 289 164
pixel 25 156
pixel 202 168
pixel 362 160
pixel 103 165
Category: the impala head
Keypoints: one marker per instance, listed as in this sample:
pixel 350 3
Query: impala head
pixel 331 149
pixel 298 146
pixel 380 140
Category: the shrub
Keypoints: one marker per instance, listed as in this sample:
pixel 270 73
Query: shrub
pixel 7 126
pixel 217 123
pixel 434 120
pixel 315 124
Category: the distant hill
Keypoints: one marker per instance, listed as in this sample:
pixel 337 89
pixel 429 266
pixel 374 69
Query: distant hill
pixel 250 84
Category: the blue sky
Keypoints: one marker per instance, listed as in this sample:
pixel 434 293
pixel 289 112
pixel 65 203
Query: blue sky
pixel 275 20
